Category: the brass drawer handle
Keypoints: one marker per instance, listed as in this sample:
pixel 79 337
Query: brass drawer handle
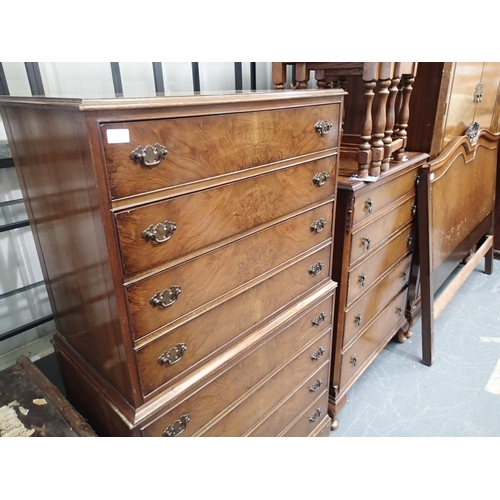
pixel 354 360
pixel 315 415
pixel 178 427
pixel 369 205
pixel 319 319
pixel 318 226
pixel 317 354
pixel 323 127
pixel 315 269
pixel 167 297
pixel 413 210
pixel 362 279
pixel 150 156
pixel 160 232
pixel 403 275
pixel 357 319
pixel 399 311
pixel 172 355
pixel 409 240
pixel 320 178
pixel 365 241
pixel 316 385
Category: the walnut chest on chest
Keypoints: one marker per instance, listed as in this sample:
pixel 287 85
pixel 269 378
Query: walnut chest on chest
pixel 187 247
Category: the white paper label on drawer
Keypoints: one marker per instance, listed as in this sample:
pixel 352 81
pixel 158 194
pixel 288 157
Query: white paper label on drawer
pixel 118 135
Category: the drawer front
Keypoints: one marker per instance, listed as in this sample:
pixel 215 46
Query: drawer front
pixel 362 312
pixel 210 216
pixel 294 405
pixel 204 335
pixel 374 200
pixel 261 402
pixel 365 240
pixel 365 275
pixel 356 357
pixel 309 420
pixel 209 146
pixel 207 277
pixel 323 429
pixel 210 400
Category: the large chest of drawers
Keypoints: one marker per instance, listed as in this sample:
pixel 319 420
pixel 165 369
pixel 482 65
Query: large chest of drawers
pixel 187 245
pixel 374 239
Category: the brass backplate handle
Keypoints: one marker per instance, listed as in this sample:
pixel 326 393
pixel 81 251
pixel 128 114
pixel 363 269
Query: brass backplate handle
pixel 317 354
pixel 315 269
pixel 159 233
pixel 315 415
pixel 365 241
pixel 323 127
pixel 362 279
pixel 314 387
pixel 319 319
pixel 178 427
pixel 149 156
pixel 369 205
pixel 320 178
pixel 172 355
pixel 318 225
pixel 167 297
pixel 357 319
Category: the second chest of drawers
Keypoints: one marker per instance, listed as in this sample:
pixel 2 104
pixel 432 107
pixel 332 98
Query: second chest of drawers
pixel 374 240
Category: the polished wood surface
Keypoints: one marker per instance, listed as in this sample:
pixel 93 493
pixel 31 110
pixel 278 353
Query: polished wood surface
pixel 206 403
pixel 249 259
pixel 217 214
pixel 211 331
pixel 449 227
pixel 357 355
pixel 217 273
pixel 224 144
pixel 443 105
pixel 359 314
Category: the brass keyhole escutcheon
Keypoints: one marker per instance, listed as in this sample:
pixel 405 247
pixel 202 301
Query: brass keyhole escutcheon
pixel 354 359
pixel 369 205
